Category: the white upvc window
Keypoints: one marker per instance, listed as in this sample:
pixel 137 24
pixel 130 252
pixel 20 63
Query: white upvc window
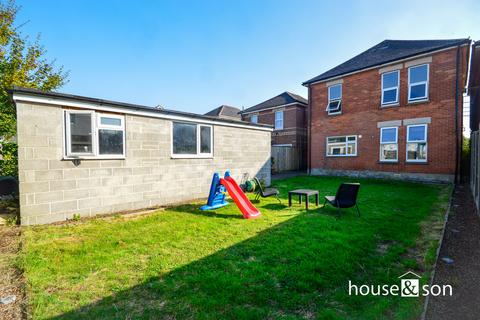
pixel 192 140
pixel 92 135
pixel 390 84
pixel 279 120
pixel 417 143
pixel 418 78
pixel 334 99
pixel 389 144
pixel 341 146
pixel 254 118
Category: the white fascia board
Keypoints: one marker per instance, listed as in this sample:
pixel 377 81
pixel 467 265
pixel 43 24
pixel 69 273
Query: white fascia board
pixel 21 97
pixel 384 64
pixel 276 107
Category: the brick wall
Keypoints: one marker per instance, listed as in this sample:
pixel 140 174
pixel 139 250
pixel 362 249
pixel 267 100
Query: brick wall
pixel 361 111
pixel 54 190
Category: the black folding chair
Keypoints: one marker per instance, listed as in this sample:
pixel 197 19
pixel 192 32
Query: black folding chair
pixel 346 197
pixel 268 192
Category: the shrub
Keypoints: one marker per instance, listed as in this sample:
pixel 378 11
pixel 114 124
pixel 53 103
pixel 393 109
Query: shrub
pixel 9 159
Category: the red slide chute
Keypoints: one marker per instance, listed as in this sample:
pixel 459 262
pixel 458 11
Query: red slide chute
pixel 246 207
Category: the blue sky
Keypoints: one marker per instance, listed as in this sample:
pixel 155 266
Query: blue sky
pixel 196 55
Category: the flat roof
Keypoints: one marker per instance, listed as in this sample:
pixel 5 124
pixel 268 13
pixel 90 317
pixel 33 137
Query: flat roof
pixel 48 96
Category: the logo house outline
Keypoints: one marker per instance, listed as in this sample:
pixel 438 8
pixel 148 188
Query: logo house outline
pixel 410 287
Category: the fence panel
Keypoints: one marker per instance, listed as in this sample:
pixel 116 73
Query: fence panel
pixel 475 167
pixel 285 158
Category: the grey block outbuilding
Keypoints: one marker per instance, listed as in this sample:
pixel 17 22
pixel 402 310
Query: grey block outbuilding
pixel 85 156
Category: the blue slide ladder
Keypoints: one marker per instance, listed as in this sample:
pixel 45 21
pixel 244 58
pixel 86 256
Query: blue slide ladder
pixel 216 197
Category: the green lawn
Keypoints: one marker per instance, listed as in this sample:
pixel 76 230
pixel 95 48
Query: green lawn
pixel 289 264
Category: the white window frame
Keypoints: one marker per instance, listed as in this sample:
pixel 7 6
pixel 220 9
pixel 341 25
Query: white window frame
pixel 95 118
pixel 199 154
pixel 420 82
pixel 346 146
pixel 333 100
pixel 382 143
pixel 417 141
pixel 100 126
pixel 279 127
pixel 252 117
pixel 397 87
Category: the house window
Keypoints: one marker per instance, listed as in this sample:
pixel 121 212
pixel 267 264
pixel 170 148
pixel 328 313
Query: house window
pixel 191 140
pixel 390 81
pixel 342 146
pixel 254 118
pixel 334 99
pixel 389 144
pixel 417 143
pixel 418 82
pixel 278 120
pixel 94 135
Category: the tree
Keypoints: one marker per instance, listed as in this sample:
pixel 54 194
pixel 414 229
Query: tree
pixel 22 63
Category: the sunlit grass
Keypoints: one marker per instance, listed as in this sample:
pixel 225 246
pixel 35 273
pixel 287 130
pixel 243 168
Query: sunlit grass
pixel 184 263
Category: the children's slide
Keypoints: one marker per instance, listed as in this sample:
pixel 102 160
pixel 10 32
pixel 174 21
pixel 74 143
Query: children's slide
pixel 246 207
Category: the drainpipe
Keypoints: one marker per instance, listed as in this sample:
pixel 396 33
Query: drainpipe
pixel 309 131
pixel 457 138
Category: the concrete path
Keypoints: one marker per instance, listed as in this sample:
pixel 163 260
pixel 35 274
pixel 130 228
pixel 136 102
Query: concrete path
pixel 461 243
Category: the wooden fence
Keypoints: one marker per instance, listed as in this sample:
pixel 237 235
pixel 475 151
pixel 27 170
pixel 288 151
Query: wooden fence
pixel 475 166
pixel 285 158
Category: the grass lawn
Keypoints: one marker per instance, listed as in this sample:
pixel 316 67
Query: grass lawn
pixel 182 263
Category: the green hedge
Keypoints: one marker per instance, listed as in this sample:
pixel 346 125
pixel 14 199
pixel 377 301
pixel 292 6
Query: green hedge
pixel 9 159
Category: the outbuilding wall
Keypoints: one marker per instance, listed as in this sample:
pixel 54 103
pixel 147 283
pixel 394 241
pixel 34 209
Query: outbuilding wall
pixel 53 189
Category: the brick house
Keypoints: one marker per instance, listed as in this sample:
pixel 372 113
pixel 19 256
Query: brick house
pixel 287 114
pixel 393 111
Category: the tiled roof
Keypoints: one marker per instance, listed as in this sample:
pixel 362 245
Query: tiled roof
pixel 224 111
pixel 385 52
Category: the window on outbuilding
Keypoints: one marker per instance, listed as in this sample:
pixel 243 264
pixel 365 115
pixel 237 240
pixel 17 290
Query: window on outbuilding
pixel 334 99
pixel 390 83
pixel 94 135
pixel 254 118
pixel 191 140
pixel 418 82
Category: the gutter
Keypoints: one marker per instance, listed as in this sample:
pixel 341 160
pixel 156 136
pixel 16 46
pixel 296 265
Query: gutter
pixel 301 104
pixel 66 100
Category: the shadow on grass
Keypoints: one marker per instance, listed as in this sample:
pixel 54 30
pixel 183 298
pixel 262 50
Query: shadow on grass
pixel 299 268
pixel 282 270
pixel 275 206
pixel 195 210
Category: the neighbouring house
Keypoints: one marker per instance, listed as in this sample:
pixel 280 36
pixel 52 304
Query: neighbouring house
pixel 85 156
pixel 287 114
pixel 392 111
pixel 225 112
pixel 474 87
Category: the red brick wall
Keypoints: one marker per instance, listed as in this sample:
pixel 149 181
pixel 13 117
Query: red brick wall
pixel 361 94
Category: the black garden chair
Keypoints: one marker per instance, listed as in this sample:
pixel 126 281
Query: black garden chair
pixel 265 193
pixel 346 197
